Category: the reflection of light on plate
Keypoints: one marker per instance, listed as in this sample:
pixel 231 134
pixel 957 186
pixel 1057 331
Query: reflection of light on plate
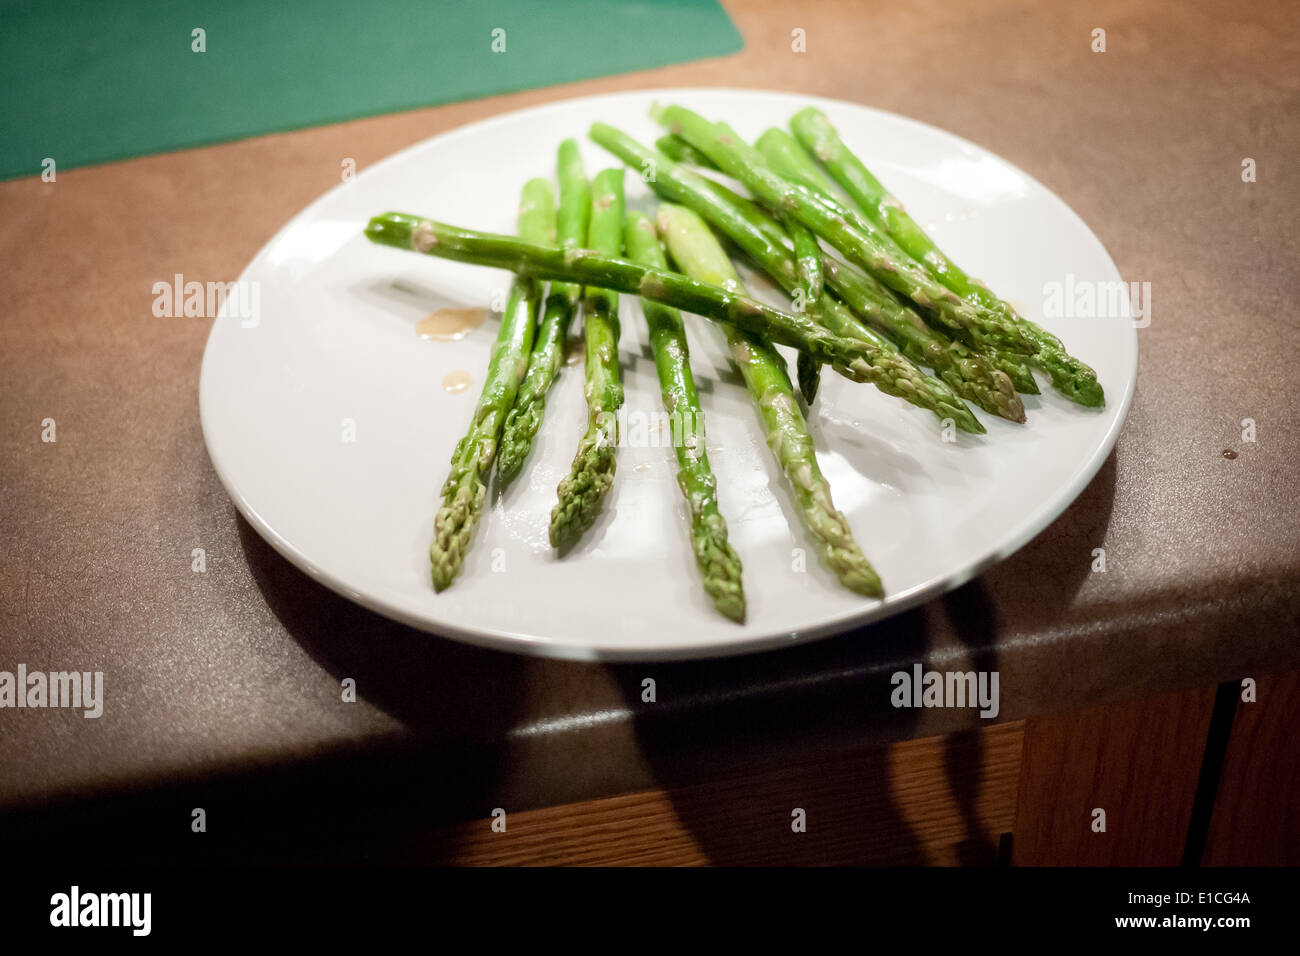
pixel 851 492
pixel 980 180
pixel 310 243
pixel 554 725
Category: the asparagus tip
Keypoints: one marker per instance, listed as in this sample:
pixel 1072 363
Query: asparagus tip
pixel 718 562
pixel 442 570
pixel 581 494
pixel 868 585
pixel 1088 393
pixel 854 571
pixel 731 606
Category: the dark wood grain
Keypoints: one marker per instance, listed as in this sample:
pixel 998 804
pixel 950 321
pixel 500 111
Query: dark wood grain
pixel 936 800
pixel 1137 761
pixel 1256 819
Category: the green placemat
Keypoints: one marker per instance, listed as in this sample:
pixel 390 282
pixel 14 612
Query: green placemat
pixel 90 82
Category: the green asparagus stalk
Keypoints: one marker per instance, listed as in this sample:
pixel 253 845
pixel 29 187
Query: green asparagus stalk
pixel 764 241
pixel 525 417
pixel 466 485
pixel 718 562
pixel 695 250
pixel 592 474
pixel 807 262
pixel 1069 375
pixel 808 270
pixel 1014 367
pixel 787 158
pixel 974 376
pixel 680 151
pixel 857 238
pixel 859 360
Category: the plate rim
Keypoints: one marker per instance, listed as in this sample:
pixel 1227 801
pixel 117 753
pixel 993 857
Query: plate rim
pixel 514 642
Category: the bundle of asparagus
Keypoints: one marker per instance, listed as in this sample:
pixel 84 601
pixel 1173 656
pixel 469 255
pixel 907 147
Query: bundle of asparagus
pixel 885 303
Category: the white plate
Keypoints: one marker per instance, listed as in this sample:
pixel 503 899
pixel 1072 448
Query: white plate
pixel 334 340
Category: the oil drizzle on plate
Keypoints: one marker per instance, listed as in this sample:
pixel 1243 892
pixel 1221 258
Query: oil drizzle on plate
pixel 448 325
pixel 457 382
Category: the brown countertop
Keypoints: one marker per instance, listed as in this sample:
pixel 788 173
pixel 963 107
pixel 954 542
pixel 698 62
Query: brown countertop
pixel 227 683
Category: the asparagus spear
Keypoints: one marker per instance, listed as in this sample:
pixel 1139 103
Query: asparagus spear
pixel 465 487
pixel 807 263
pixel 855 237
pixel 860 360
pixel 525 417
pixel 1071 376
pixel 680 151
pixel 972 375
pixel 1014 367
pixel 592 474
pixel 787 158
pixel 718 562
pixel 695 250
pixel 763 240
pixel 808 270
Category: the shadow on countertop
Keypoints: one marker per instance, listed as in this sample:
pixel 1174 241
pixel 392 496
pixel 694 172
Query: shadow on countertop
pixel 760 709
pixel 354 801
pixel 383 800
